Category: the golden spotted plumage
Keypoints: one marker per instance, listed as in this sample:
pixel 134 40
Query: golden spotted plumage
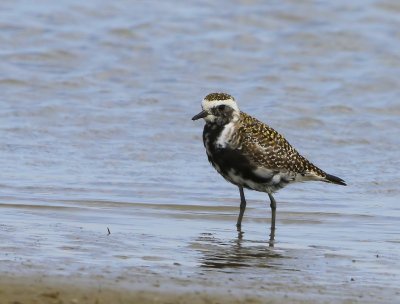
pixel 218 96
pixel 269 149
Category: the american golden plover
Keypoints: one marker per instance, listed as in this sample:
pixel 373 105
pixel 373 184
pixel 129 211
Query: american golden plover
pixel 250 154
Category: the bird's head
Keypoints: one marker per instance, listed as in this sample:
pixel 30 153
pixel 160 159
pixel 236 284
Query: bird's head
pixel 218 108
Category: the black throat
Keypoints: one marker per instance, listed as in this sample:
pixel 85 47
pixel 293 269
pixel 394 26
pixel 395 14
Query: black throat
pixel 211 132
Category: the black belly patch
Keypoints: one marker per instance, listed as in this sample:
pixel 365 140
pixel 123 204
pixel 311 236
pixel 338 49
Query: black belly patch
pixel 232 161
pixel 227 160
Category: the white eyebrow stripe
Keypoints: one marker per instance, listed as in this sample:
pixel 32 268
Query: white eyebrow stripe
pixel 206 104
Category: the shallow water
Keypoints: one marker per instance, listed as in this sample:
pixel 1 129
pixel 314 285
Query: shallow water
pixel 96 133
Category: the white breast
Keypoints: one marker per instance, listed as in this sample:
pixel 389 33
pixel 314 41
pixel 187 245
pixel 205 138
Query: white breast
pixel 225 136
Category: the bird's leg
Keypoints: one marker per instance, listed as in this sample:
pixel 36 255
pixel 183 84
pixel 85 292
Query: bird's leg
pixel 242 208
pixel 273 210
pixel 273 217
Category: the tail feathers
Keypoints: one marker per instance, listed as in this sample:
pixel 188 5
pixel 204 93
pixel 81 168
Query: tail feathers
pixel 334 180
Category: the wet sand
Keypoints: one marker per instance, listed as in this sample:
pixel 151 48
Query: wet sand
pixel 148 288
pixel 71 258
pixel 40 290
pixel 44 289
pixel 29 290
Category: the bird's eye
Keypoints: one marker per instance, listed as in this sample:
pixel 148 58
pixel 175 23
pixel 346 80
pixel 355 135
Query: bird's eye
pixel 221 107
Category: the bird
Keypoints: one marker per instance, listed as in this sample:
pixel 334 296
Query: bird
pixel 250 154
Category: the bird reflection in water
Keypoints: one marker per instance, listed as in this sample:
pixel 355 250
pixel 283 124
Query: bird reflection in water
pixel 271 240
pixel 236 253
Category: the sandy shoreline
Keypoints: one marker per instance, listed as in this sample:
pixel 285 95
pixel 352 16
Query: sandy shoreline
pixel 59 263
pixel 40 289
pixel 32 289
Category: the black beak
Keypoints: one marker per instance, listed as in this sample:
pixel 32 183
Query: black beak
pixel 202 114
